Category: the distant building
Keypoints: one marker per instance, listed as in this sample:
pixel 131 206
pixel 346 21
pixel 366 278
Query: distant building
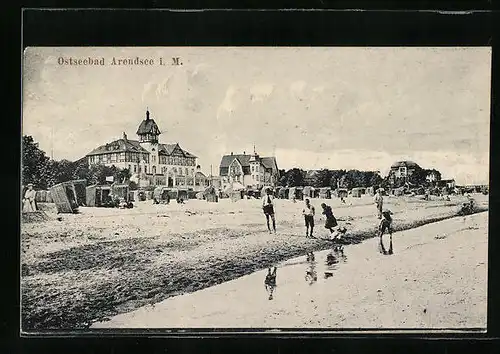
pixel 403 169
pixel 216 182
pixel 432 177
pixel 250 170
pixel 448 183
pixel 148 159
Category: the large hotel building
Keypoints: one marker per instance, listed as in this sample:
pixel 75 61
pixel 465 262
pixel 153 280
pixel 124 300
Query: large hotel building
pixel 149 161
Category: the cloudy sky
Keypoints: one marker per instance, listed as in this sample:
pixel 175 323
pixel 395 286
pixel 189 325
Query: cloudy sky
pixel 312 108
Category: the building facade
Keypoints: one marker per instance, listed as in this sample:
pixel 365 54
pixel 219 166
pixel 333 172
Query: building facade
pixel 149 161
pixel 403 169
pixel 252 171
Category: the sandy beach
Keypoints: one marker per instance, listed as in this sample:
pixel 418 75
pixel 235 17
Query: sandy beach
pixel 437 278
pixel 102 262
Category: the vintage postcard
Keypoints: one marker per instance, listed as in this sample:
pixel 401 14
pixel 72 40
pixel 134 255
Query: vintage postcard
pixel 255 188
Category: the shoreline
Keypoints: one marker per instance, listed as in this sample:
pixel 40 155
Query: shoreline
pixel 361 291
pixel 88 283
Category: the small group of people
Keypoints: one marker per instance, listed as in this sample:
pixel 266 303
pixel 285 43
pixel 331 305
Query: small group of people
pixel 330 220
pixel 308 213
pixel 331 223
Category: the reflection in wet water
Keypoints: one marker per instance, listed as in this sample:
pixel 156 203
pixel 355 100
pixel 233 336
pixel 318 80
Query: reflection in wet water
pixel 382 248
pixel 333 258
pixel 270 282
pixel 311 276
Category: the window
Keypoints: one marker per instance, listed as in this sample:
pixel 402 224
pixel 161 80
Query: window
pixel 145 169
pixel 154 170
pixel 139 169
pixel 187 171
pixel 129 168
pixel 135 168
pixel 153 158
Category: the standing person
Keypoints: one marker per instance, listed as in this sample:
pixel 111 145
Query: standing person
pixel 308 213
pixel 270 282
pixel 379 202
pixel 29 199
pixel 268 208
pixel 385 224
pixel 331 221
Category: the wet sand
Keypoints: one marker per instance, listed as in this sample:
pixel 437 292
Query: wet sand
pixel 102 262
pixel 436 278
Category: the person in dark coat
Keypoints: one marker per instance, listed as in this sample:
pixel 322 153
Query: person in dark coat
pixel 331 221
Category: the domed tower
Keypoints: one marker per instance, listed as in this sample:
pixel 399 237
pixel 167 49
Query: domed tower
pixel 148 133
pixel 255 167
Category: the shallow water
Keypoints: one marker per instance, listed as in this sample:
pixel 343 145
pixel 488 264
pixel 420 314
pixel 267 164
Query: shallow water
pixel 357 287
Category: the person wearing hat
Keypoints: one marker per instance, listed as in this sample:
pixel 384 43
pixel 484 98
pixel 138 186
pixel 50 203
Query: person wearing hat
pixel 29 203
pixel 385 225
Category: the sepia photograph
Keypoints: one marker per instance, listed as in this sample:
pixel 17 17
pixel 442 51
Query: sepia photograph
pixel 255 188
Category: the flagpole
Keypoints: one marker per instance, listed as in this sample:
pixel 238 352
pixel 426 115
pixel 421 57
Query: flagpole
pixel 52 143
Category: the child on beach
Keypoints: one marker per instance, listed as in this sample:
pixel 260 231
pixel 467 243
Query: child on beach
pixel 268 208
pixel 270 282
pixel 331 222
pixel 308 213
pixel 385 225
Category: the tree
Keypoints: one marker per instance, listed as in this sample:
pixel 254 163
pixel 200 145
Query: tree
pixel 294 177
pixel 81 170
pixel 34 164
pixel 345 181
pixel 62 171
pixel 374 179
pixel 354 178
pixel 322 178
pixel 98 173
pixel 122 175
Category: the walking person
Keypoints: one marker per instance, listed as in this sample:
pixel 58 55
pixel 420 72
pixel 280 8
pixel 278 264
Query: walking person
pixel 331 221
pixel 379 202
pixel 385 225
pixel 29 203
pixel 308 213
pixel 268 208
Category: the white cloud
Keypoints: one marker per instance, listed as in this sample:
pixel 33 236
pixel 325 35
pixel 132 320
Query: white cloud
pixel 228 104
